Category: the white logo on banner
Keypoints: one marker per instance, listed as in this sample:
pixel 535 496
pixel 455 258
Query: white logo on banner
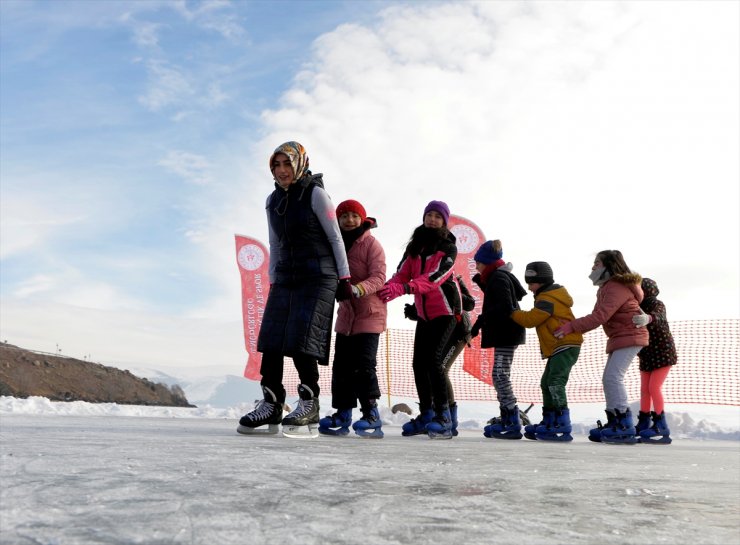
pixel 251 257
pixel 466 238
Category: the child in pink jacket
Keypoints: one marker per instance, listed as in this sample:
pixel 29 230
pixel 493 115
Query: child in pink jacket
pixel 360 320
pixel 617 301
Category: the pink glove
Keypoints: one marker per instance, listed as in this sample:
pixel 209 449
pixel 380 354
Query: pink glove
pixel 563 330
pixel 392 290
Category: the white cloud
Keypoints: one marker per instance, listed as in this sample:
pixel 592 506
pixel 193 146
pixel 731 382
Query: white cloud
pixel 214 15
pixel 562 128
pixel 146 34
pixel 168 86
pixel 191 167
pixel 28 221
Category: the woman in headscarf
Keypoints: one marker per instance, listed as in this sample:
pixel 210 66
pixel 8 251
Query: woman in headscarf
pixel 308 269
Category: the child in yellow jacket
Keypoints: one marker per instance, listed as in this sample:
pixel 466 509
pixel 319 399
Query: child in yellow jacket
pixel 552 305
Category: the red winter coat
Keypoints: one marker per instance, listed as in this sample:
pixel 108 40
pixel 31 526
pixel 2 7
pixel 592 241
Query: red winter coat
pixel 366 314
pixel 617 301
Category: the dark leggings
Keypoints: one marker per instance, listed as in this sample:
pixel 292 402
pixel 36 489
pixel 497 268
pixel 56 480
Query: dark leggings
pixel 354 370
pixel 272 373
pixel 431 345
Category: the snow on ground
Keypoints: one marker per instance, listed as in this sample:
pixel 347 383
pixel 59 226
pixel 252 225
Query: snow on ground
pixel 78 473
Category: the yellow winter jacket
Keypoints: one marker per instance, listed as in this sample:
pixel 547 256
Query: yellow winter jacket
pixel 552 307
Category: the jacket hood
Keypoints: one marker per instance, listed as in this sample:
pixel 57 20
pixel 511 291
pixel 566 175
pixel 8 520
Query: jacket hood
pixel 627 279
pixel 650 287
pixel 557 292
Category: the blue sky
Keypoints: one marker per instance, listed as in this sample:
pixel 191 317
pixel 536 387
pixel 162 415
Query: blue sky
pixel 135 137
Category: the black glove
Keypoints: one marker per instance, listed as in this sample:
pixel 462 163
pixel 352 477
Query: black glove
pixel 344 290
pixel 410 312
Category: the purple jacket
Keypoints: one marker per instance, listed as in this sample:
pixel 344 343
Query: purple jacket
pixel 617 301
pixel 366 314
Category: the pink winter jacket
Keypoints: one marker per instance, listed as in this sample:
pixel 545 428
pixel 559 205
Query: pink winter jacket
pixel 617 301
pixel 366 314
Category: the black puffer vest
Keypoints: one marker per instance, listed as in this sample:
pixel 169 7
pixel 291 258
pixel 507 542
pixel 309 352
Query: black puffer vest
pixel 304 251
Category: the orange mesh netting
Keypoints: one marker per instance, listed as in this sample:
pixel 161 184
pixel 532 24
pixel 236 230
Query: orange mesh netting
pixel 707 369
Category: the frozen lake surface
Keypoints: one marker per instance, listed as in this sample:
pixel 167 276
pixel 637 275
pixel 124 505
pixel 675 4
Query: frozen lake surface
pixel 125 479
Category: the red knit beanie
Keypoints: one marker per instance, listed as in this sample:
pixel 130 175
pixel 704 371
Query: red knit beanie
pixel 351 206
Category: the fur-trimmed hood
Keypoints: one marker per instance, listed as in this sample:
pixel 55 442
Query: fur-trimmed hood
pixel 627 278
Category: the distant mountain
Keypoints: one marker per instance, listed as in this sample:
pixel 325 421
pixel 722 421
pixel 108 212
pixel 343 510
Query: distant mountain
pixel 220 391
pixel 25 373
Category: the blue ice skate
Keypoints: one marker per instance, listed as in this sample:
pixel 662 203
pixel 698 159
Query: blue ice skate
pixel 369 426
pixel 594 434
pixel 418 425
pixel 658 433
pixel 530 430
pixel 622 431
pixel 558 429
pixel 509 427
pixel 441 425
pixel 453 415
pixel 337 423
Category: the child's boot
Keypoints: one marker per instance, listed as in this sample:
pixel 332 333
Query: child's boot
pixel 337 423
pixel 509 428
pixel 559 429
pixel 622 431
pixel 643 422
pixel 658 433
pixel 547 417
pixel 370 424
pixel 418 425
pixel 595 433
pixel 441 425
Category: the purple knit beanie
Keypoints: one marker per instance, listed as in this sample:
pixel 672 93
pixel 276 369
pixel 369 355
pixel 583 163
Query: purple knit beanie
pixel 438 206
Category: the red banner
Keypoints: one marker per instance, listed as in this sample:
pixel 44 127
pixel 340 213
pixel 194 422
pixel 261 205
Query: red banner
pixel 469 237
pixel 254 264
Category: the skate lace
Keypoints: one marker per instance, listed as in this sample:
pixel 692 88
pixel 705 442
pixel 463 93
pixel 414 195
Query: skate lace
pixel 262 409
pixel 304 407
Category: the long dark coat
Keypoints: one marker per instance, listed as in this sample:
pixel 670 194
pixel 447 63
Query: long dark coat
pixel 300 307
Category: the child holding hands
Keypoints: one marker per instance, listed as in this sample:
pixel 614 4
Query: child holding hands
pixel 552 304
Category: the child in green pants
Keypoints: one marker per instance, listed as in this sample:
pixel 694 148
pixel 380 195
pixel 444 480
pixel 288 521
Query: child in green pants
pixel 552 304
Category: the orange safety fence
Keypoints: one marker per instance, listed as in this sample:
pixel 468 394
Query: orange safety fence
pixel 707 370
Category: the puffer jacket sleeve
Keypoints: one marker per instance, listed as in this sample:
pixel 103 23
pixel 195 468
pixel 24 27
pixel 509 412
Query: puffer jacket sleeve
pixel 435 276
pixel 609 299
pixel 532 318
pixel 376 271
pixel 403 273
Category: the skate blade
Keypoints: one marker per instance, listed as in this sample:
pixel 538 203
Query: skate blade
pixel 443 436
pixel 340 432
pixel 664 440
pixel 507 435
pixel 301 432
pixel 555 437
pixel 271 429
pixel 374 434
pixel 624 440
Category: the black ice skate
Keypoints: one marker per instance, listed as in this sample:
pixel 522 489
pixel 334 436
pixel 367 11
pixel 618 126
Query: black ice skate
pixel 304 420
pixel 265 418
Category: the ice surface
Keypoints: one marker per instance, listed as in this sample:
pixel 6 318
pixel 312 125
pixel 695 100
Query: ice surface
pixel 81 479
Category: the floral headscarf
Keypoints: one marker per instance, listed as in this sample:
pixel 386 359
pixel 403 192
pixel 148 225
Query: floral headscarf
pixel 297 155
